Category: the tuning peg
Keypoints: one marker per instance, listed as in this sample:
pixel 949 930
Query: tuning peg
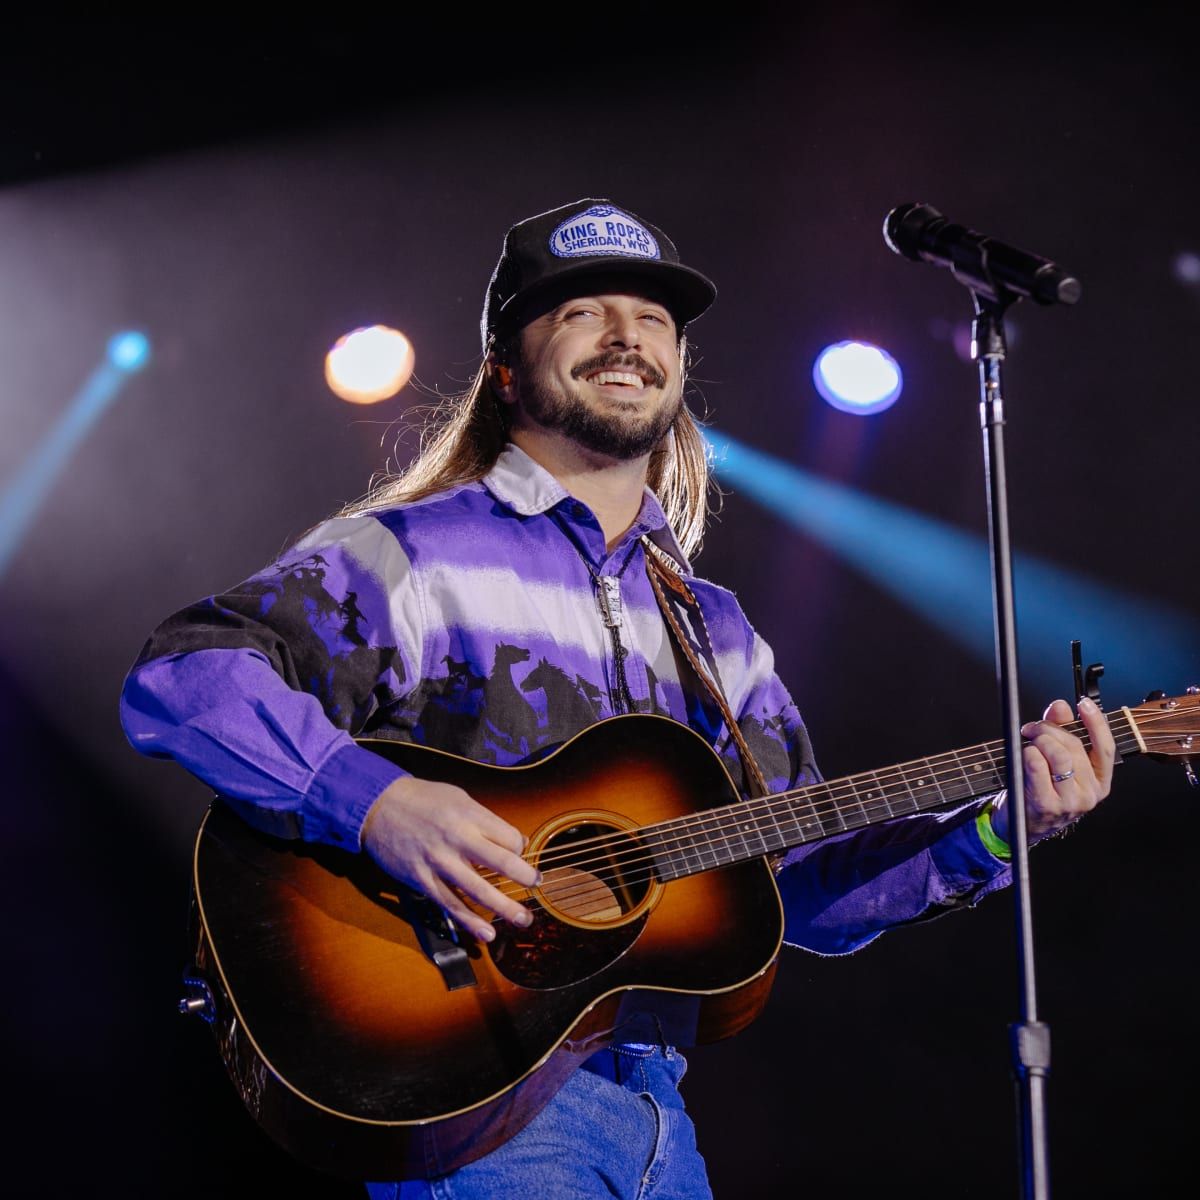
pixel 1157 694
pixel 1190 772
pixel 1193 690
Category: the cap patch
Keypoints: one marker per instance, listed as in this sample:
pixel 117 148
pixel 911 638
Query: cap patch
pixel 603 229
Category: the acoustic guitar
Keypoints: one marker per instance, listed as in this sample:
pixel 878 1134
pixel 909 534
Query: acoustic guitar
pixel 373 1040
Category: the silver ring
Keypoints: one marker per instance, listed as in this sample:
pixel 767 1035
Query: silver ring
pixel 1063 777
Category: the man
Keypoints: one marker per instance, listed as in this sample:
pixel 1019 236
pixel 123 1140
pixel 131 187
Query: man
pixel 502 601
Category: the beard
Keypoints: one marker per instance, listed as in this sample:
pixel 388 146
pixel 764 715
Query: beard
pixel 624 430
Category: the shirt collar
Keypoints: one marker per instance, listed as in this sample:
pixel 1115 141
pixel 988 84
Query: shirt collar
pixel 528 488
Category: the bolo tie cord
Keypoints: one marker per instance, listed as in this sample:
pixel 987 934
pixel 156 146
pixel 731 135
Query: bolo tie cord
pixel 608 596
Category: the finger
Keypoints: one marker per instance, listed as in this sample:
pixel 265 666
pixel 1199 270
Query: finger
pixel 1104 749
pixel 483 851
pixel 453 906
pixel 1064 749
pixel 1058 712
pixel 1060 761
pixel 1045 808
pixel 500 831
pixel 1039 788
pixel 473 885
pixel 512 866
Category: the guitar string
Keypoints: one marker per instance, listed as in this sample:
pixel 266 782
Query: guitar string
pixel 834 790
pixel 750 808
pixel 589 892
pixel 710 822
pixel 594 890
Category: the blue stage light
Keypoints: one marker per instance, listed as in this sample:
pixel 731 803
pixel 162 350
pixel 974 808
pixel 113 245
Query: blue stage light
pixel 943 573
pixel 35 479
pixel 856 377
pixel 129 351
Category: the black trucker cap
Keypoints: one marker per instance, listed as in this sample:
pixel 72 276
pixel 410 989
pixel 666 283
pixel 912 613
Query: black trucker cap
pixel 544 256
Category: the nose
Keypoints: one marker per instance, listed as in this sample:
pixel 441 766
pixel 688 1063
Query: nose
pixel 621 332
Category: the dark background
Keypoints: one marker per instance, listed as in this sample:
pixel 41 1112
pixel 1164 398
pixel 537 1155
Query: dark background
pixel 247 195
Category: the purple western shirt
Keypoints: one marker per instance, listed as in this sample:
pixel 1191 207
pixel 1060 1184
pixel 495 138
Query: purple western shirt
pixel 472 621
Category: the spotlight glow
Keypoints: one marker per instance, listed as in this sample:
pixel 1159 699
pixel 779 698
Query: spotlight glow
pixel 369 364
pixel 129 351
pixel 1187 268
pixel 858 378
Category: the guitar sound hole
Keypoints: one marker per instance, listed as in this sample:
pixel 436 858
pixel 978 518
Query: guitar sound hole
pixel 593 874
pixel 597 890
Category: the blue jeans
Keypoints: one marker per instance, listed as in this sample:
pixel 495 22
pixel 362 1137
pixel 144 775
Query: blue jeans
pixel 617 1128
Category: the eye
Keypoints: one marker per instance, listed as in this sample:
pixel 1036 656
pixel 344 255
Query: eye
pixel 575 313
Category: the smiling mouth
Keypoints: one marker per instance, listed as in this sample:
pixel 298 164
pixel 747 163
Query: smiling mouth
pixel 620 372
pixel 621 379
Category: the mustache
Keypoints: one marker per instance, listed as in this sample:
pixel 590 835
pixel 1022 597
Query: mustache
pixel 616 360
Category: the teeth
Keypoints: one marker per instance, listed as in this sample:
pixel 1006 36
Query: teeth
pixel 625 377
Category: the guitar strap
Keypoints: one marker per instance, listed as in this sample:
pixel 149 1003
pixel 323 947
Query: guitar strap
pixel 665 575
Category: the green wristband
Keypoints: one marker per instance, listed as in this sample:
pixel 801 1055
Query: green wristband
pixel 991 840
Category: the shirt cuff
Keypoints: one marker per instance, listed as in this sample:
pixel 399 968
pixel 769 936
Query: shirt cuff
pixel 342 792
pixel 965 863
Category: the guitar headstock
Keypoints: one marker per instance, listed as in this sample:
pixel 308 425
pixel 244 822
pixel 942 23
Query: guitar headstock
pixel 1169 727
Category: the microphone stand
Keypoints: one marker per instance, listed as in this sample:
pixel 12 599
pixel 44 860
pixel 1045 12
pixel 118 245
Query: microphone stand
pixel 1029 1038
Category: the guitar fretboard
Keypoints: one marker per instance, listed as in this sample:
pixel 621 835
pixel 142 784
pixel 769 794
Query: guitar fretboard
pixel 720 837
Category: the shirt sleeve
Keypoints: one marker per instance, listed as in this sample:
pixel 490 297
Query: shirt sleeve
pixel 842 891
pixel 260 691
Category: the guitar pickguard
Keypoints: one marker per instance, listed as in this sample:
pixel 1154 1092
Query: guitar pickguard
pixel 552 954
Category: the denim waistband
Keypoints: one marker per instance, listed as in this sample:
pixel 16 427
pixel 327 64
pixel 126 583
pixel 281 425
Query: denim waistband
pixel 625 1061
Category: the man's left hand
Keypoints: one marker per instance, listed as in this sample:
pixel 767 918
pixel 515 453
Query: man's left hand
pixel 1063 779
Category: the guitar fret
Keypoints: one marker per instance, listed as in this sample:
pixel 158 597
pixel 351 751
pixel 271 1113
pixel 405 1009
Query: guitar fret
pixel 1125 733
pixel 709 852
pixel 753 840
pixel 978 779
pixel 957 791
pixel 870 803
pixel 737 830
pixel 777 839
pixel 801 823
pixel 853 815
pixel 927 792
pixel 909 805
pixel 826 814
pixel 996 780
pixel 673 856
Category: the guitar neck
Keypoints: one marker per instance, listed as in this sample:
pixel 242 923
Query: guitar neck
pixel 721 837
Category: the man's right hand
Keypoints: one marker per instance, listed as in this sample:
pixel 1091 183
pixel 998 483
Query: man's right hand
pixel 435 838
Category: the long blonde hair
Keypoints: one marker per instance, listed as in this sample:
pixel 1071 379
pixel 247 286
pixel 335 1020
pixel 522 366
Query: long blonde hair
pixel 463 435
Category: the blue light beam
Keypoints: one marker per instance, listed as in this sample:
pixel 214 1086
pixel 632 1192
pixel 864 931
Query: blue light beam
pixel 944 575
pixel 125 354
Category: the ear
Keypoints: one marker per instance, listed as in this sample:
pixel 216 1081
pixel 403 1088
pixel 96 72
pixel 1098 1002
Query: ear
pixel 500 376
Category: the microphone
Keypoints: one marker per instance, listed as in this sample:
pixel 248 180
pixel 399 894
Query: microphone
pixel 921 233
